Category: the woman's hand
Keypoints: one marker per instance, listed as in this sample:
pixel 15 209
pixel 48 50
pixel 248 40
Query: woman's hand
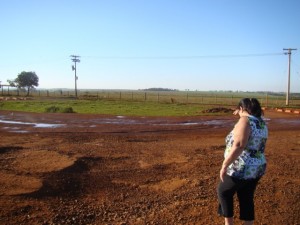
pixel 236 112
pixel 222 173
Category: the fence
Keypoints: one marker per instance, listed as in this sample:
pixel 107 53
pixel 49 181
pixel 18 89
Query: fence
pixel 184 97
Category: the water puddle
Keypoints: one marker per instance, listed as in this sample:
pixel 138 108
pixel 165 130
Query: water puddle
pixel 37 125
pixel 20 131
pixel 194 123
pixel 118 121
pixel 13 124
pixel 290 122
pixel 122 120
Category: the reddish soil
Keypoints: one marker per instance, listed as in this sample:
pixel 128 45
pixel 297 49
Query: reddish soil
pixel 94 169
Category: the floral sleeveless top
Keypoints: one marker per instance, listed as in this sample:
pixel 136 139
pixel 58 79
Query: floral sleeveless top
pixel 251 163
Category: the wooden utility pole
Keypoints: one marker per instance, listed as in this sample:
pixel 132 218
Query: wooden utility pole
pixel 75 59
pixel 289 53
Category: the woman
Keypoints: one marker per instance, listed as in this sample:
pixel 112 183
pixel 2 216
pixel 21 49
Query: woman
pixel 244 162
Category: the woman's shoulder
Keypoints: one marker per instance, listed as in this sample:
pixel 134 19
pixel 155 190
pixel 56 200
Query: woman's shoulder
pixel 243 119
pixel 242 123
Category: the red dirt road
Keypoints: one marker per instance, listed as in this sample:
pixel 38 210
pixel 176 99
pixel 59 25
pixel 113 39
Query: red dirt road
pixel 92 169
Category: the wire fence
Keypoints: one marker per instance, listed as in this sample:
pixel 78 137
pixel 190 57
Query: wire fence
pixel 180 97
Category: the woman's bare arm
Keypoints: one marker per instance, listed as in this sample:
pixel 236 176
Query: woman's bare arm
pixel 241 134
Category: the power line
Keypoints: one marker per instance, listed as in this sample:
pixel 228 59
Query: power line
pixel 186 57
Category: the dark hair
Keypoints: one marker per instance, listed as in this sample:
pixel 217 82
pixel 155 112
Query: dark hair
pixel 252 106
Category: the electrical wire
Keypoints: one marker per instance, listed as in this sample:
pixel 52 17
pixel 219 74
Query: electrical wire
pixel 186 57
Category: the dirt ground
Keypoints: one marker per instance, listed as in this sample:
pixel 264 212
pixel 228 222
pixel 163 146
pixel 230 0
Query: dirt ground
pixel 93 169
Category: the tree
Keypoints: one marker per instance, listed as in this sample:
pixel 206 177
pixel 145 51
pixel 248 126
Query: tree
pixel 27 80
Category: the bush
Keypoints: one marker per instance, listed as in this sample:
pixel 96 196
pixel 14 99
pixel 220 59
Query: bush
pixel 68 110
pixel 55 109
pixel 52 109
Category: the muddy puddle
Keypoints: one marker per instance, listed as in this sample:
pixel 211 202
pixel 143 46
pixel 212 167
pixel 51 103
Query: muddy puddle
pixel 23 124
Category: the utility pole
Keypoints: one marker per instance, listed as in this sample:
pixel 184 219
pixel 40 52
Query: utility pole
pixel 289 53
pixel 75 59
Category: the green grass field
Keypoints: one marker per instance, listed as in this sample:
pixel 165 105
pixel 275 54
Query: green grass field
pixel 110 107
pixel 137 103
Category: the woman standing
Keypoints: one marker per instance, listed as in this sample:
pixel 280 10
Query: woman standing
pixel 244 162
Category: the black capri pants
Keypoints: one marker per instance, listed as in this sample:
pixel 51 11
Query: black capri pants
pixel 245 191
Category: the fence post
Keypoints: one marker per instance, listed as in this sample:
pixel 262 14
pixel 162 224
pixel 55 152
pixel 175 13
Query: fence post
pixel 145 96
pixel 158 97
pixel 120 95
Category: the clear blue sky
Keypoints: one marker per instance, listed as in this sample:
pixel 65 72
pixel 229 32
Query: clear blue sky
pixel 137 44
